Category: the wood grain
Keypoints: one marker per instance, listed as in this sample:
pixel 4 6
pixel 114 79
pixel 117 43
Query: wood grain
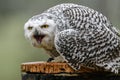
pixel 50 67
pixel 62 71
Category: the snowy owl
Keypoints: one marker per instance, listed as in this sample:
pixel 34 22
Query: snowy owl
pixel 77 35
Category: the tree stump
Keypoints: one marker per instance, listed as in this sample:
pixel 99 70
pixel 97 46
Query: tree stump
pixel 61 71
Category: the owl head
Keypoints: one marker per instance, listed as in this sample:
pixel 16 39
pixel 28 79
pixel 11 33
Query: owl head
pixel 40 30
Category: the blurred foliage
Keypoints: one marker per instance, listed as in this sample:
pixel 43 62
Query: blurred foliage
pixel 15 49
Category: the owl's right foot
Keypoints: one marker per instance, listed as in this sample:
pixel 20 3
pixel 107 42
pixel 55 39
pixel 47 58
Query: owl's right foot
pixel 50 60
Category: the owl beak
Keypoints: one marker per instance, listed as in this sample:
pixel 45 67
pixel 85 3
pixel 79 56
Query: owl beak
pixel 36 32
pixel 38 37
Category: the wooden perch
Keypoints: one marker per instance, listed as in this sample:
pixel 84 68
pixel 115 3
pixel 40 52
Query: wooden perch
pixel 61 71
pixel 51 67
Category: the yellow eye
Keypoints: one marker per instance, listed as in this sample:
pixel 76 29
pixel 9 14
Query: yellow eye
pixel 30 28
pixel 44 26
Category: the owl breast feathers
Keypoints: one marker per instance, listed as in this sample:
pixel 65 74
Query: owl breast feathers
pixel 77 35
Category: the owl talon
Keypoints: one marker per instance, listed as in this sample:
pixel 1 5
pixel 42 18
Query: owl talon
pixel 58 59
pixel 50 59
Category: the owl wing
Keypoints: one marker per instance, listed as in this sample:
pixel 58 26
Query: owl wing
pixel 88 40
pixel 78 15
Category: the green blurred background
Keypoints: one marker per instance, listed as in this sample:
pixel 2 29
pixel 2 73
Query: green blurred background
pixel 14 49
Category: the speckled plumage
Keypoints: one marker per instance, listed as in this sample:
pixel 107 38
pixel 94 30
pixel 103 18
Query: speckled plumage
pixel 80 35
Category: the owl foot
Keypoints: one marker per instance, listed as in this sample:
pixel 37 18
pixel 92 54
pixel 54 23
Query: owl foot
pixel 50 59
pixel 58 59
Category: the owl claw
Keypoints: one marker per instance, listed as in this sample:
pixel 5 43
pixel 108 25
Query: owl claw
pixel 50 59
pixel 58 59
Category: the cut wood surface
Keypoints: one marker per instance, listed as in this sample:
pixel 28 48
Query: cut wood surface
pixel 50 67
pixel 61 71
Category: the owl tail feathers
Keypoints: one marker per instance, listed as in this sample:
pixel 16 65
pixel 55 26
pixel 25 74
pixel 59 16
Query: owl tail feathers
pixel 113 66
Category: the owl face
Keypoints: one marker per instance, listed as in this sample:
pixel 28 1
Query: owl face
pixel 39 30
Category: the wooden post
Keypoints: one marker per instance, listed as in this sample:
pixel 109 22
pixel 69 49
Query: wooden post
pixel 61 71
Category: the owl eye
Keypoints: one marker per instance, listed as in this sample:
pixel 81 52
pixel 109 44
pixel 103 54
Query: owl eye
pixel 30 28
pixel 44 26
